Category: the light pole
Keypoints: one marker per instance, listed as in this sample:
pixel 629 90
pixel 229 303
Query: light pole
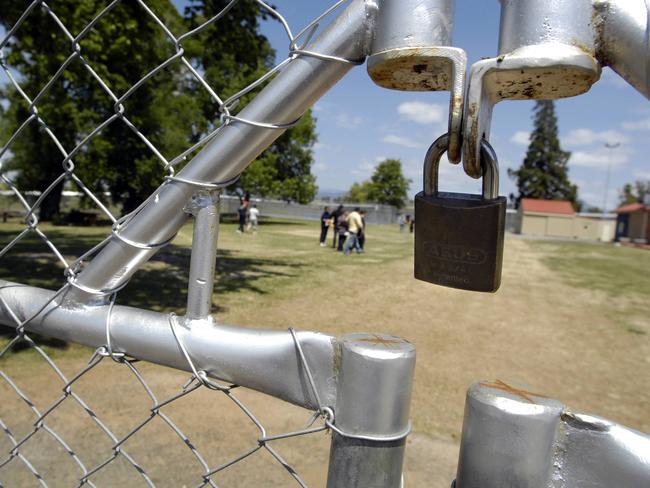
pixel 611 148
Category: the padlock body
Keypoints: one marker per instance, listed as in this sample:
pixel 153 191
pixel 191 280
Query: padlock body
pixel 459 240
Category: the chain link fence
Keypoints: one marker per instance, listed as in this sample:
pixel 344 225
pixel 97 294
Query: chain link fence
pixel 108 429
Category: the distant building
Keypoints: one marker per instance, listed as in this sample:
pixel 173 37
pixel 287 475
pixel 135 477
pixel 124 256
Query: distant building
pixel 556 218
pixel 633 223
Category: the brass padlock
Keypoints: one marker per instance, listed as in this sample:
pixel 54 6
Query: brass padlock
pixel 459 236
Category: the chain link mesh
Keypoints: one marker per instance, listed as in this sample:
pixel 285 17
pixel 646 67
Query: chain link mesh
pixel 19 454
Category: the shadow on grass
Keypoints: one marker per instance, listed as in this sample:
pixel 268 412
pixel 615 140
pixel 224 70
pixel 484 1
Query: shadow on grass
pixel 8 333
pixel 265 222
pixel 160 285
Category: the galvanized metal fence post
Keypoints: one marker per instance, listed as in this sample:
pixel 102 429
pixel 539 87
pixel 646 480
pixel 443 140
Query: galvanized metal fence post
pixel 514 437
pixel 205 208
pixel 372 412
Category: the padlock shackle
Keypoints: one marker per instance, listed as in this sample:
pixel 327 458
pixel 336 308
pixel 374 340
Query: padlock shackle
pixel 489 164
pixel 490 167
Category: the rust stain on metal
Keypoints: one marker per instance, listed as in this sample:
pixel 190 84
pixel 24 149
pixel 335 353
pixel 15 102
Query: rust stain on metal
pixel 503 386
pixel 411 69
pixel 420 68
pixel 598 16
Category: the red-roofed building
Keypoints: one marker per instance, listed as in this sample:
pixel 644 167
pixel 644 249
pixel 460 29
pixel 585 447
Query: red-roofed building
pixel 534 205
pixel 633 223
pixel 556 218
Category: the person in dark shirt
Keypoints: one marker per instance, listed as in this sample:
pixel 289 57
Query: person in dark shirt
pixel 241 213
pixel 324 225
pixel 342 229
pixel 335 218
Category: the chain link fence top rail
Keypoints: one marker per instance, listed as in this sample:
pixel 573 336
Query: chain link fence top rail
pixel 38 434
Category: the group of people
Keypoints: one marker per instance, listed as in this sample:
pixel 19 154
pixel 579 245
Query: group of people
pixel 248 215
pixel 348 229
pixel 404 221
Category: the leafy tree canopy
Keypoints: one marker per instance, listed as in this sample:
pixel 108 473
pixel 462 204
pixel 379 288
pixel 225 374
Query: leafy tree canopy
pixel 172 109
pixel 284 170
pixel 544 171
pixel 634 192
pixel 387 185
pixel 121 47
pixel 232 54
pixel 358 192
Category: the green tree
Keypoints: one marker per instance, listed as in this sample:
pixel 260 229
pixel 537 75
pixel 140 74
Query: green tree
pixel 232 53
pixel 121 47
pixel 387 185
pixel 544 171
pixel 171 109
pixel 358 192
pixel 634 192
pixel 284 170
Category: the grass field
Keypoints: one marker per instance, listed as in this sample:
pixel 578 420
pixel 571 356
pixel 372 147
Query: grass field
pixel 571 320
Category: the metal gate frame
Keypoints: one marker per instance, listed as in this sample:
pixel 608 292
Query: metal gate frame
pixel 360 384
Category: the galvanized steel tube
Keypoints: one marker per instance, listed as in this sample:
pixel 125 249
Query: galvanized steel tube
pixel 624 45
pixel 372 412
pixel 205 208
pixel 413 23
pixel 533 22
pixel 264 360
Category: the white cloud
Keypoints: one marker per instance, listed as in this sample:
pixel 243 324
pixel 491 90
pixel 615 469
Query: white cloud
pixel 364 169
pixel 422 113
pixel 599 159
pixel 643 124
pixel 347 121
pixel 585 137
pixel 320 166
pixel 521 138
pixel 320 145
pixel 401 141
pixel 644 175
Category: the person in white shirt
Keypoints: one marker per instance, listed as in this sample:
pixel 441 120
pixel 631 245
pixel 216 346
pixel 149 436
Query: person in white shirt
pixel 253 213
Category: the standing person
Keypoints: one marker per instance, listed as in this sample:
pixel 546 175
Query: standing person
pixel 412 226
pixel 354 227
pixel 241 212
pixel 361 237
pixel 324 225
pixel 335 218
pixel 253 214
pixel 401 222
pixel 342 229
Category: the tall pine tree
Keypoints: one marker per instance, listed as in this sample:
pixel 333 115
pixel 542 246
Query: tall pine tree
pixel 544 171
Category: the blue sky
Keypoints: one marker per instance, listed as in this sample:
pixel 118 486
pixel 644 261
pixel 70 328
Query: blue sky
pixel 360 124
